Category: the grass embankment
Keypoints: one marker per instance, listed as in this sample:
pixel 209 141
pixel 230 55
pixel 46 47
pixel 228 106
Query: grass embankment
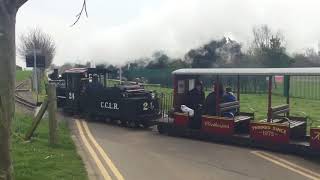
pixel 22 75
pixel 36 160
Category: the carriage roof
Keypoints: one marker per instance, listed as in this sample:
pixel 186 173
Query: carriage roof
pixel 249 71
pixel 87 70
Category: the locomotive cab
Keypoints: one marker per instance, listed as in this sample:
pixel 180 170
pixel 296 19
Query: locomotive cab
pixel 77 80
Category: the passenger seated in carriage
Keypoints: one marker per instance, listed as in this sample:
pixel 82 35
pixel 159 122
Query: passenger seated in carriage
pixel 229 97
pixel 210 102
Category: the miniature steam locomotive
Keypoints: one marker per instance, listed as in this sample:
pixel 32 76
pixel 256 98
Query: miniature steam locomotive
pixel 85 91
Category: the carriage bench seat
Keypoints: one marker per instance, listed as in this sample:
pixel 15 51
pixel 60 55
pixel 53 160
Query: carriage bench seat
pixel 276 111
pixel 294 124
pixel 297 125
pixel 234 105
pixel 241 119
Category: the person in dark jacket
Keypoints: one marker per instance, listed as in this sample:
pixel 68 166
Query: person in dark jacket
pixel 196 99
pixel 94 85
pixel 210 102
pixel 196 96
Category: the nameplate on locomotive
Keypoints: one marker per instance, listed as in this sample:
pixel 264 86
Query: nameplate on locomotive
pixel 217 125
pixel 315 138
pixel 269 132
pixel 109 105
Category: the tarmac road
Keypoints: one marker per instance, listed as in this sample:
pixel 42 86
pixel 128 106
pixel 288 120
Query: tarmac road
pixel 145 155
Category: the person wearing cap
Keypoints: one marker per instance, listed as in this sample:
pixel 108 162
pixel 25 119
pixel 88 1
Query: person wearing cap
pixel 229 97
pixel 196 99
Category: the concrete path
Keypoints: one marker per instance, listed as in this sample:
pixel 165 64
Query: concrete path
pixel 114 152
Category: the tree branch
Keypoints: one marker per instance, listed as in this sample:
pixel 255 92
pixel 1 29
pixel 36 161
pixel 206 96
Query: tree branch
pixel 20 3
pixel 84 8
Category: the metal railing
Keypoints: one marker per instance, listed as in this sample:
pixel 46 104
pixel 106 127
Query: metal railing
pixel 166 103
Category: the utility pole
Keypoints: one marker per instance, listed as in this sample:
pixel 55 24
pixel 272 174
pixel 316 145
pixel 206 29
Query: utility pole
pixel 35 79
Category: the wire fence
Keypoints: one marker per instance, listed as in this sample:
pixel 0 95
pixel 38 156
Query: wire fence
pixel 306 87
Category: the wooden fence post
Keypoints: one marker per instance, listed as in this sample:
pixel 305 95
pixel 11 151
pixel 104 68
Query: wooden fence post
pixel 52 109
pixel 37 119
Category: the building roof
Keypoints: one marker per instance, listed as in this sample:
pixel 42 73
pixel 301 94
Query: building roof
pixel 249 71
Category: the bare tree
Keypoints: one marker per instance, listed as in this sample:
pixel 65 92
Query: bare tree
pixel 37 39
pixel 78 16
pixel 262 36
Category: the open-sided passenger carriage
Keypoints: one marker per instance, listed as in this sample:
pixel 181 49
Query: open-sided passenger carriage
pixel 219 125
pixel 280 130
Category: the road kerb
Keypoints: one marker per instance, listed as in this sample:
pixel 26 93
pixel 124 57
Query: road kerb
pixel 102 169
pixel 109 162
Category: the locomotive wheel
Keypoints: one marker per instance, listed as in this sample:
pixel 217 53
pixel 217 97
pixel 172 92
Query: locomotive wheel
pixel 122 123
pixel 161 129
pixel 145 125
pixel 133 124
pixel 108 120
pixel 89 117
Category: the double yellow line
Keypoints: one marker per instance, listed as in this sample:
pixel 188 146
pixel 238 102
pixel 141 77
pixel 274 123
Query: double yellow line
pixel 83 130
pixel 288 165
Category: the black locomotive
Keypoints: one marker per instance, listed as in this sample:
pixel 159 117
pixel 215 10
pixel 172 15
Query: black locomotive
pixel 85 91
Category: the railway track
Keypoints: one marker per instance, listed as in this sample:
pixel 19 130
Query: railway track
pixel 19 99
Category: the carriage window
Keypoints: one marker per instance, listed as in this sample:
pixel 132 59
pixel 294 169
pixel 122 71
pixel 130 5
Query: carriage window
pixel 70 81
pixel 181 86
pixel 73 86
pixel 191 84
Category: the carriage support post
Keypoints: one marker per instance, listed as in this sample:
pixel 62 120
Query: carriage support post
pixel 238 90
pixel 287 90
pixel 269 98
pixel 217 94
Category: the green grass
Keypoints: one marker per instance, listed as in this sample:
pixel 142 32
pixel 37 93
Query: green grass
pixel 22 75
pixel 297 105
pixel 36 160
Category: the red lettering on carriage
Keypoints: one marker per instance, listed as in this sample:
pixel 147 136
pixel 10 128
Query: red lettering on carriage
pixel 217 125
pixel 269 132
pixel 315 138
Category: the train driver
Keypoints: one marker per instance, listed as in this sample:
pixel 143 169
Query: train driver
pixel 196 99
pixel 94 85
pixel 196 96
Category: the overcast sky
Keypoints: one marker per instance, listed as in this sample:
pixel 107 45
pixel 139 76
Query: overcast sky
pixel 120 30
